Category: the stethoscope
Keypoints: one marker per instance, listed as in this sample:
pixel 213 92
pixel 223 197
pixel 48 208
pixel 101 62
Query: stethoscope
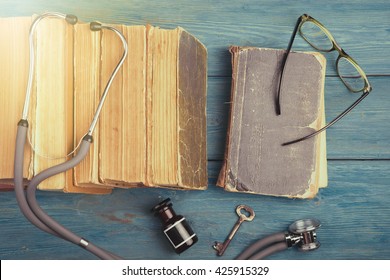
pixel 301 233
pixel 27 199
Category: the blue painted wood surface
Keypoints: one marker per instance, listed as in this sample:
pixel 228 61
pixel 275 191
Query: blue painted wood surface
pixel 354 209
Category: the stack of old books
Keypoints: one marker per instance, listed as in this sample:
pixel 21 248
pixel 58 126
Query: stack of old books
pixel 152 130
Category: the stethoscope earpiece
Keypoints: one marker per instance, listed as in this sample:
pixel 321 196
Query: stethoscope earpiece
pixel 71 19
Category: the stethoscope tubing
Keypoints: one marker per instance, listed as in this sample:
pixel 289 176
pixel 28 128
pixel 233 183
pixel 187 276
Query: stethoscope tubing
pixel 50 222
pixel 29 205
pixel 21 199
pixel 275 248
pixel 264 247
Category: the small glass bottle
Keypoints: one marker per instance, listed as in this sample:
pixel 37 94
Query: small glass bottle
pixel 175 227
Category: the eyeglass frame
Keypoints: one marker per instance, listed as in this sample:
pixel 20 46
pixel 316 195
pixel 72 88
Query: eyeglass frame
pixel 342 54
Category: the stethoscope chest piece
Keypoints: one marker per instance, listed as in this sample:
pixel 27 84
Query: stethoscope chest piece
pixel 304 233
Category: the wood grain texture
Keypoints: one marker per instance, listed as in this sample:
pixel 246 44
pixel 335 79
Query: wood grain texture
pixel 352 205
pixel 360 27
pixel 354 209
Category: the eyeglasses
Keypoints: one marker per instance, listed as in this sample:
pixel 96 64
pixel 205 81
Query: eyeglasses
pixel 350 73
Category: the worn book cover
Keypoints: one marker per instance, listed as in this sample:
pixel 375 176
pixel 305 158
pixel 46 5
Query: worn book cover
pixel 255 160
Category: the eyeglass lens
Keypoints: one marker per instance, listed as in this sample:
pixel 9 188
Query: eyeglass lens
pixel 346 69
pixel 350 74
pixel 315 36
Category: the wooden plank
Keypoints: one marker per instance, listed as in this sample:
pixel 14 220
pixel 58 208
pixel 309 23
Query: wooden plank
pixel 219 24
pixel 362 134
pixel 354 212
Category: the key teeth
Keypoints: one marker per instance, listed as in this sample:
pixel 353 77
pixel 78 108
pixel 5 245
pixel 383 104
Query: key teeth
pixel 217 246
pixel 221 247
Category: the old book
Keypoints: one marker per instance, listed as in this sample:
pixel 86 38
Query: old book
pixel 255 160
pixel 176 117
pixel 86 95
pixel 13 82
pixel 152 129
pixel 51 106
pixel 123 122
pixel 86 92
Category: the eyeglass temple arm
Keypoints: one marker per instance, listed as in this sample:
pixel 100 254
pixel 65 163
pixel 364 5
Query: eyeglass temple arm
pixel 346 111
pixel 284 60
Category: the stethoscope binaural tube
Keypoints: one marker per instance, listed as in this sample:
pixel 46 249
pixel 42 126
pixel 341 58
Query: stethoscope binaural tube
pixel 301 233
pixel 27 199
pixel 71 19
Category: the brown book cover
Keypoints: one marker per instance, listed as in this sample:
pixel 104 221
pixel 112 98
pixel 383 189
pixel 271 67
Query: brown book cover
pixel 192 88
pixel 255 160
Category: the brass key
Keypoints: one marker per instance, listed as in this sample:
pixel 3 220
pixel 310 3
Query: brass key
pixel 221 247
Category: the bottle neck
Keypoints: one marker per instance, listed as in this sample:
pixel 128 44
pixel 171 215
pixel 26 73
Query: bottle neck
pixel 166 214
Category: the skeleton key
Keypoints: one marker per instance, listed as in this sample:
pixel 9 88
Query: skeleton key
pixel 221 247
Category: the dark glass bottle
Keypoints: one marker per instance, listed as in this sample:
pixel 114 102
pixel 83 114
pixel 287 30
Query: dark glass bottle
pixel 175 227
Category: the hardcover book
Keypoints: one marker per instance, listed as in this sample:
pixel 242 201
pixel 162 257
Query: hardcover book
pixel 255 160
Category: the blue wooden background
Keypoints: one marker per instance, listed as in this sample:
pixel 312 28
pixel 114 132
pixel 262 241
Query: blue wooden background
pixel 354 209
